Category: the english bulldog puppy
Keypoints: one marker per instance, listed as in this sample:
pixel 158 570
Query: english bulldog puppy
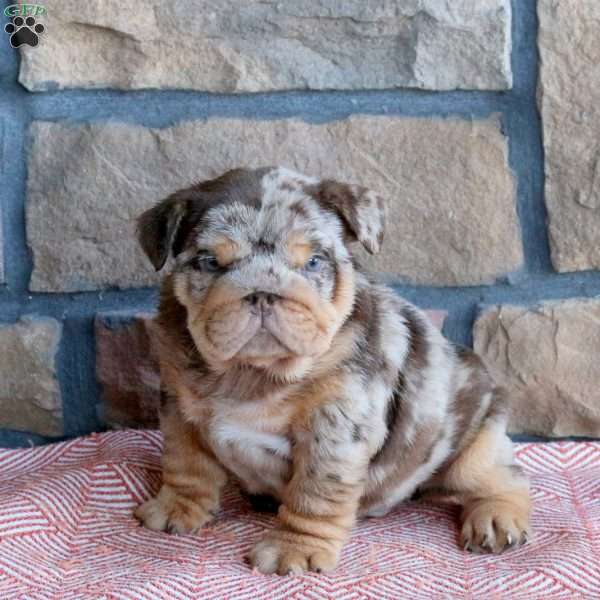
pixel 288 370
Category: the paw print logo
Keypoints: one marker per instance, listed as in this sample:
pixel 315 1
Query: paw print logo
pixel 24 31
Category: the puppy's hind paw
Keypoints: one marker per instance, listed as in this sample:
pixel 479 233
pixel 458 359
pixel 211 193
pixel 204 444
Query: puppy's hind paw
pixel 494 526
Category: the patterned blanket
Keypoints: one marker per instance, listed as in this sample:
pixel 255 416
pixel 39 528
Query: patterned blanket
pixel 67 532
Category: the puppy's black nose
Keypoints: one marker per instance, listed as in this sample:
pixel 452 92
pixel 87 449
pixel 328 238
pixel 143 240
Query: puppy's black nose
pixel 261 298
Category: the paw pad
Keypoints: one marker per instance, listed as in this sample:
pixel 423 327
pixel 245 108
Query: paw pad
pixel 24 32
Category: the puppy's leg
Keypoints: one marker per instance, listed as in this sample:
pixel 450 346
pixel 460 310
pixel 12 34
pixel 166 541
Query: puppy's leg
pixel 321 500
pixel 493 491
pixel 192 480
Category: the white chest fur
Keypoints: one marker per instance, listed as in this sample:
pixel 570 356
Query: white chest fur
pixel 259 458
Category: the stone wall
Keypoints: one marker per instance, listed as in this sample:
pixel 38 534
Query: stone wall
pixel 479 120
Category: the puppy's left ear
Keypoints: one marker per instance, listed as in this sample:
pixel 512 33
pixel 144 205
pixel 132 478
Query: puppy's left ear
pixel 363 211
pixel 158 226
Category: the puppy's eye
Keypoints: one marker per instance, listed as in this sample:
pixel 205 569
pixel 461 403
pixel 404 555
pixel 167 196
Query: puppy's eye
pixel 314 263
pixel 207 263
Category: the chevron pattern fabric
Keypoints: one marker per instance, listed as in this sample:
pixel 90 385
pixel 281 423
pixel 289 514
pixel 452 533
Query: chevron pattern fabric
pixel 67 532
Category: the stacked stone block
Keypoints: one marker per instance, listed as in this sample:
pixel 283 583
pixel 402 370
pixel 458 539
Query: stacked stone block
pixel 433 103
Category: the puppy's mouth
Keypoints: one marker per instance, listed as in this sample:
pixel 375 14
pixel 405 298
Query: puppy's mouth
pixel 261 329
pixel 262 348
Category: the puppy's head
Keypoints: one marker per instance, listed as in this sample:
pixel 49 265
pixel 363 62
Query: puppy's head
pixel 262 263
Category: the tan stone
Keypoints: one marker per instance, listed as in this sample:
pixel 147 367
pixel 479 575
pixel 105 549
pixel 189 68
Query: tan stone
pixel 127 369
pixel 30 397
pixel 452 218
pixel 548 357
pixel 569 97
pixel 251 46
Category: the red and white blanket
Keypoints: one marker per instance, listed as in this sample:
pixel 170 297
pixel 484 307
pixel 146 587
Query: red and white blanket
pixel 67 532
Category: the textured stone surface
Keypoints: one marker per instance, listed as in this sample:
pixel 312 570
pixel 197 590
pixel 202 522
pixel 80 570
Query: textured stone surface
pixel 452 219
pixel 127 369
pixel 233 46
pixel 569 95
pixel 548 357
pixel 30 397
pixel 1 226
pixel 1 248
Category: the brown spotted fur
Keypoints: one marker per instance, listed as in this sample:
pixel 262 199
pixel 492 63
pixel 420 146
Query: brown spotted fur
pixel 316 387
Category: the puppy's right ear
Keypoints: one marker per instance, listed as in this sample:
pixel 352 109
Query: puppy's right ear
pixel 157 229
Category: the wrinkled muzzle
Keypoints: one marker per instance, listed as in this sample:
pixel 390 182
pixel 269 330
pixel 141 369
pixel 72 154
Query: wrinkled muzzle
pixel 237 323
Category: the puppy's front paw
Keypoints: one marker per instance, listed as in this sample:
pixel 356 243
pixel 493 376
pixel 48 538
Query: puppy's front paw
pixel 492 525
pixel 286 557
pixel 172 512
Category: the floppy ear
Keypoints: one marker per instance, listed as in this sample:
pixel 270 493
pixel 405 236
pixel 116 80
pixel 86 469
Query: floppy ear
pixel 163 228
pixel 157 229
pixel 363 211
